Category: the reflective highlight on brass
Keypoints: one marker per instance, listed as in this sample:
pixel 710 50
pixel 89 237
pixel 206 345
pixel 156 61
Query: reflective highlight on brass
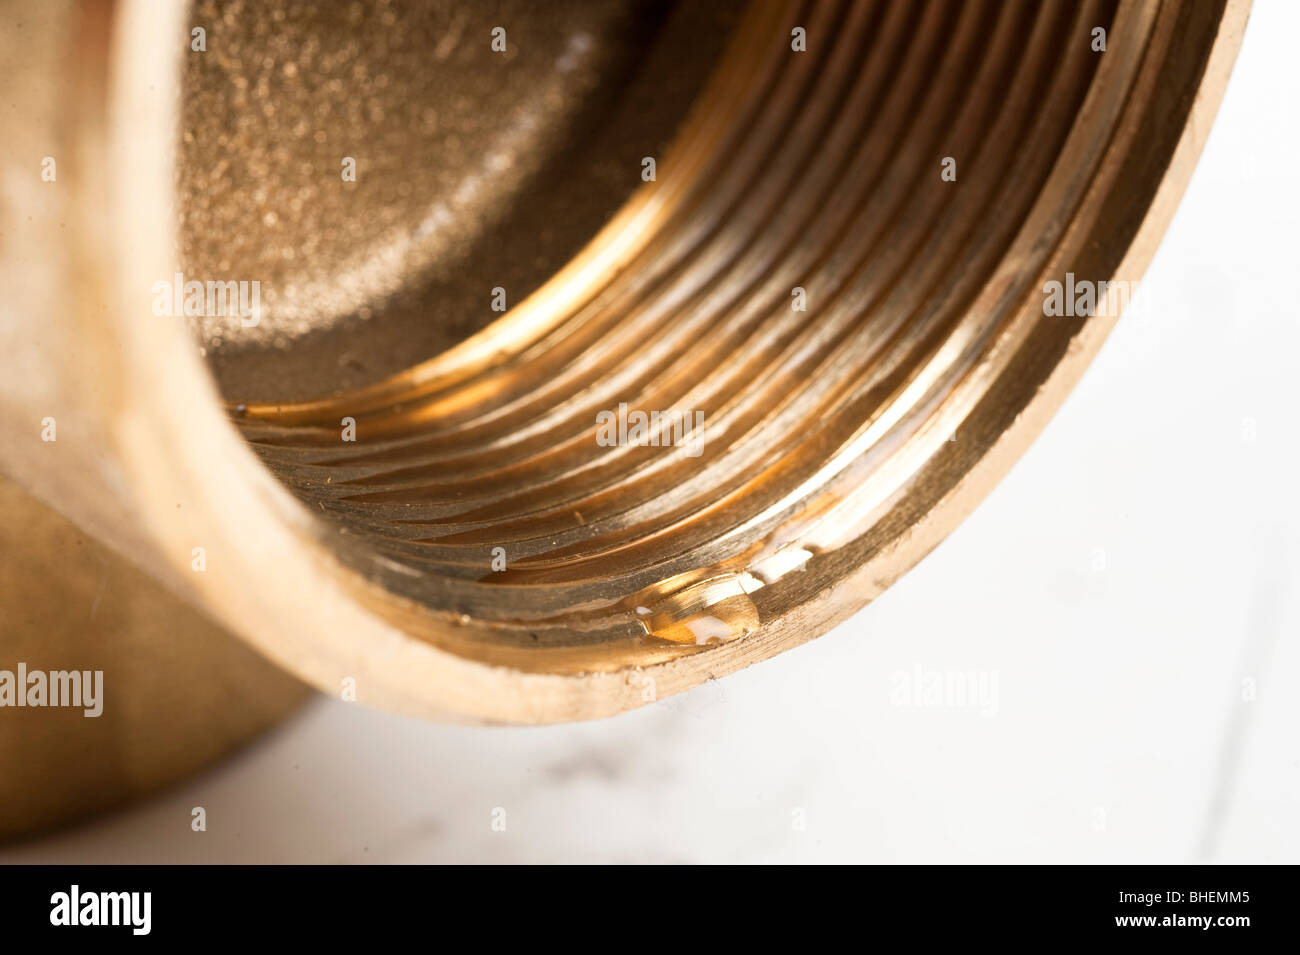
pixel 841 443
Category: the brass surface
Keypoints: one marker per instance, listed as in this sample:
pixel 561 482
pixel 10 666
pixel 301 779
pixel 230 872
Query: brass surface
pixel 841 443
pixel 178 691
pixel 471 164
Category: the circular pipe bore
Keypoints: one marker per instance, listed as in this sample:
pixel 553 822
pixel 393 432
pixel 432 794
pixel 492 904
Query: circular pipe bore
pixel 852 345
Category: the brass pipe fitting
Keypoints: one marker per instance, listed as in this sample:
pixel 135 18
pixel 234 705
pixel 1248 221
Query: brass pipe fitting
pixel 837 277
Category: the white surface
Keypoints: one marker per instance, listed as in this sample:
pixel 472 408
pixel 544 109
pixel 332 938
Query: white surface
pixel 1126 578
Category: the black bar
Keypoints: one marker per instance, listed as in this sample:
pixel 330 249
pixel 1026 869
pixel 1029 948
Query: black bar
pixel 972 904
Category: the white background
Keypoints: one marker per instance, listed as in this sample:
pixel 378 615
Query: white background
pixel 1136 567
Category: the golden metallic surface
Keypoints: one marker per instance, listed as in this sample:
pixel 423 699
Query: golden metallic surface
pixel 469 163
pixel 839 443
pixel 177 691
